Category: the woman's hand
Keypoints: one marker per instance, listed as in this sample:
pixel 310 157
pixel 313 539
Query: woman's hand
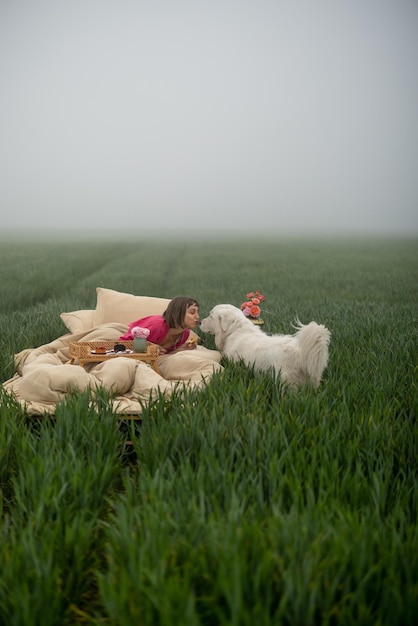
pixel 191 344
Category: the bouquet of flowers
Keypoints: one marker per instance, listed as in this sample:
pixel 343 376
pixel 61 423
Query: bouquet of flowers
pixel 251 307
pixel 138 331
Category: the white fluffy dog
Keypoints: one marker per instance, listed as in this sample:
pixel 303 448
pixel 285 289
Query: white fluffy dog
pixel 298 359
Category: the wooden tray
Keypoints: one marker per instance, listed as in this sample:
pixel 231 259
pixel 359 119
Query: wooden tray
pixel 81 351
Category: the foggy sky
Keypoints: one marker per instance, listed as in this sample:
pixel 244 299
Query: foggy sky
pixel 237 115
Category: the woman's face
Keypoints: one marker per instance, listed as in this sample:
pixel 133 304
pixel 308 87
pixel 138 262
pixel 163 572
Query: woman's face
pixel 191 318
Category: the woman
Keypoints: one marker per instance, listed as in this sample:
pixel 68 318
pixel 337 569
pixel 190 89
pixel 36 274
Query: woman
pixel 171 331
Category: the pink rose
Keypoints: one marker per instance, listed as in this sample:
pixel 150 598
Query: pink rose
pixel 251 308
pixel 137 331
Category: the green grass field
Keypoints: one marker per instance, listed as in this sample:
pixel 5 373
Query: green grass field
pixel 242 505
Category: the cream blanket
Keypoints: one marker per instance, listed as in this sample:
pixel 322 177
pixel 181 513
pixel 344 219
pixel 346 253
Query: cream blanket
pixel 44 375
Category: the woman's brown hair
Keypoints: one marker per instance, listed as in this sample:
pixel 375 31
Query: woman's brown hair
pixel 176 310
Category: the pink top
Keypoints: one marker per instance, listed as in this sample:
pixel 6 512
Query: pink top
pixel 158 328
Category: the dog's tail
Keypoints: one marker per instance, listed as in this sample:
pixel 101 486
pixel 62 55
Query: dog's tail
pixel 313 340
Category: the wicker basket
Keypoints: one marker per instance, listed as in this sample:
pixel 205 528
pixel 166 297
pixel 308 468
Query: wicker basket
pixel 82 349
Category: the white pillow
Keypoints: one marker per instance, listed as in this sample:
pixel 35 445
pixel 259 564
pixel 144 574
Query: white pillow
pixel 77 321
pixel 116 306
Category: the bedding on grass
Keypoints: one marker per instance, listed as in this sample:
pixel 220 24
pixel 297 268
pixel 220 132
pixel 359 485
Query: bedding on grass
pixel 44 374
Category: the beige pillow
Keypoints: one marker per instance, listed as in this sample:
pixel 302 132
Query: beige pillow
pixel 116 306
pixel 77 321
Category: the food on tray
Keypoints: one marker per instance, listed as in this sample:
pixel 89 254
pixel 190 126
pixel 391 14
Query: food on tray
pixel 100 350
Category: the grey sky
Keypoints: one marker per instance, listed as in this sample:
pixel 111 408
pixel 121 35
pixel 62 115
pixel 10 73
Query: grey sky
pixel 230 114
